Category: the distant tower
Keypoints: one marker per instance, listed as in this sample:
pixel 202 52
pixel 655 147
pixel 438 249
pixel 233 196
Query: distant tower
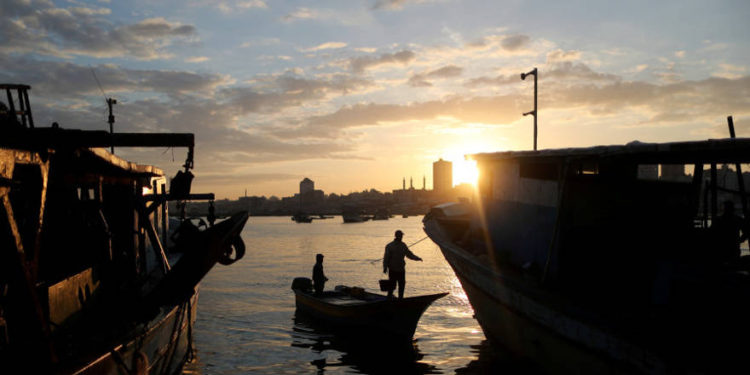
pixel 424 182
pixel 306 186
pixel 411 183
pixel 442 176
pixel 404 184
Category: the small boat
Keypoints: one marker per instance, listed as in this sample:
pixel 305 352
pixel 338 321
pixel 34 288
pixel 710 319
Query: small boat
pixel 352 310
pixel 302 218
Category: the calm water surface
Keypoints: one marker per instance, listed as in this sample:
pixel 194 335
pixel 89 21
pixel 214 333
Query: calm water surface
pixel 246 320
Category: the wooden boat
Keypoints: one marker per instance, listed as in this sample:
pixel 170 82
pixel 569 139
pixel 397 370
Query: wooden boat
pixel 93 279
pixel 588 261
pixel 355 311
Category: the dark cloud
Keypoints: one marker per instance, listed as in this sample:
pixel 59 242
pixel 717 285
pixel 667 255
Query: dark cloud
pixel 40 27
pixel 68 80
pixel 497 109
pixel 515 42
pixel 422 79
pixel 289 91
pixel 360 64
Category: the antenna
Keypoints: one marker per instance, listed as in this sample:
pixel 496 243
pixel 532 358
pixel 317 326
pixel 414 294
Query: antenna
pixel 110 102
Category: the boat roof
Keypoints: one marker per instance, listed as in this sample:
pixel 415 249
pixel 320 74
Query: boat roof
pixel 127 167
pixel 727 150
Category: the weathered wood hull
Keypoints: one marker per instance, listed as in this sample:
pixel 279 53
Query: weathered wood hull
pixel 163 346
pixel 383 317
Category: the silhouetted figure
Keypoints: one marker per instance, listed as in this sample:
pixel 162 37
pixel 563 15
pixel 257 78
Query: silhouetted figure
pixel 319 278
pixel 726 229
pixel 211 214
pixel 393 263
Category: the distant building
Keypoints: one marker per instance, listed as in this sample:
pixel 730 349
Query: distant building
pixel 305 186
pixel 442 176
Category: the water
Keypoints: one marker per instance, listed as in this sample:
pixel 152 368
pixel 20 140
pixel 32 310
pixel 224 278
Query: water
pixel 246 313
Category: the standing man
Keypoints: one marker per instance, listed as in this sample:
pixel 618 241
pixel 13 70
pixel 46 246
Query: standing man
pixel 319 278
pixel 393 263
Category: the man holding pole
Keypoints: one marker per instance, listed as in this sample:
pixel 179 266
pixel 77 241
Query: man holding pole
pixel 394 264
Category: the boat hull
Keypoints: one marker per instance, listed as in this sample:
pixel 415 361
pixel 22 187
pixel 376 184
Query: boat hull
pixel 395 318
pixel 534 330
pixel 163 347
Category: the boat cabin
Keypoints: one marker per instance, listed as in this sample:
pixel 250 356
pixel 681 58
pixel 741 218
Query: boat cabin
pixel 607 218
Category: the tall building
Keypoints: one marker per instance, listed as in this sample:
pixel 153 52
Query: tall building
pixel 442 176
pixel 306 186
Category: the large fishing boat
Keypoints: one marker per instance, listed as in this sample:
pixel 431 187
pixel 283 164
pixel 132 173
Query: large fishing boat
pixel 92 279
pixel 610 259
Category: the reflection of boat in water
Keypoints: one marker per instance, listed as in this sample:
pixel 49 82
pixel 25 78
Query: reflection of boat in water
pixel 302 218
pixel 364 354
pixel 90 284
pixel 587 262
pixel 354 311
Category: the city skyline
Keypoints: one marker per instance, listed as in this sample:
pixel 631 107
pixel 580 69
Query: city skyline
pixel 359 94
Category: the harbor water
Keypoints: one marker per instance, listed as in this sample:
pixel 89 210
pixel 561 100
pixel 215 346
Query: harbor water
pixel 246 321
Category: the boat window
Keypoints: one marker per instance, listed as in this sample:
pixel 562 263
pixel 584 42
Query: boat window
pixel 648 171
pixel 674 173
pixel 586 168
pixel 539 171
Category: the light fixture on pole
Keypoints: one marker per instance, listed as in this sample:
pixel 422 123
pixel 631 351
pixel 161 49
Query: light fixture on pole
pixel 534 112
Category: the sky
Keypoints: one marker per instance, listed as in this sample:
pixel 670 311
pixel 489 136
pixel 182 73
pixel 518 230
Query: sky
pixel 360 94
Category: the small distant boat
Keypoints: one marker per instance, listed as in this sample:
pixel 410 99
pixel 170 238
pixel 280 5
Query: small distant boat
pixel 354 216
pixel 381 214
pixel 302 218
pixel 352 310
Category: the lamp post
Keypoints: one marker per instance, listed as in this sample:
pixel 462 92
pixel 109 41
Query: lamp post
pixel 534 112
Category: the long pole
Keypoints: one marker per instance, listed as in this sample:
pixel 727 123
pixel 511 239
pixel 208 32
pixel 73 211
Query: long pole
pixel 111 120
pixel 738 169
pixel 534 112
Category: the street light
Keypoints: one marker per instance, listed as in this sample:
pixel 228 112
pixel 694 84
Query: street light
pixel 534 112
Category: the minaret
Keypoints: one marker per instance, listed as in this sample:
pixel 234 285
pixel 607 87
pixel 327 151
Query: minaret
pixel 404 184
pixel 424 182
pixel 411 183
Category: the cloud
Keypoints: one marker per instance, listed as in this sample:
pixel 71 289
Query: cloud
pixel 502 44
pixel 360 64
pixel 515 42
pixel 42 28
pixel 730 71
pixel 301 14
pixel 448 71
pixel 65 80
pixel 324 46
pixel 389 4
pixel 197 59
pixel 559 55
pixel 497 109
pixel 290 91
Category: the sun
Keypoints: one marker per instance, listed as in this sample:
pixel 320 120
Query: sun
pixel 465 172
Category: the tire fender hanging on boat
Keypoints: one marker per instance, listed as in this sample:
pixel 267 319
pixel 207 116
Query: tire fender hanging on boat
pixel 236 246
